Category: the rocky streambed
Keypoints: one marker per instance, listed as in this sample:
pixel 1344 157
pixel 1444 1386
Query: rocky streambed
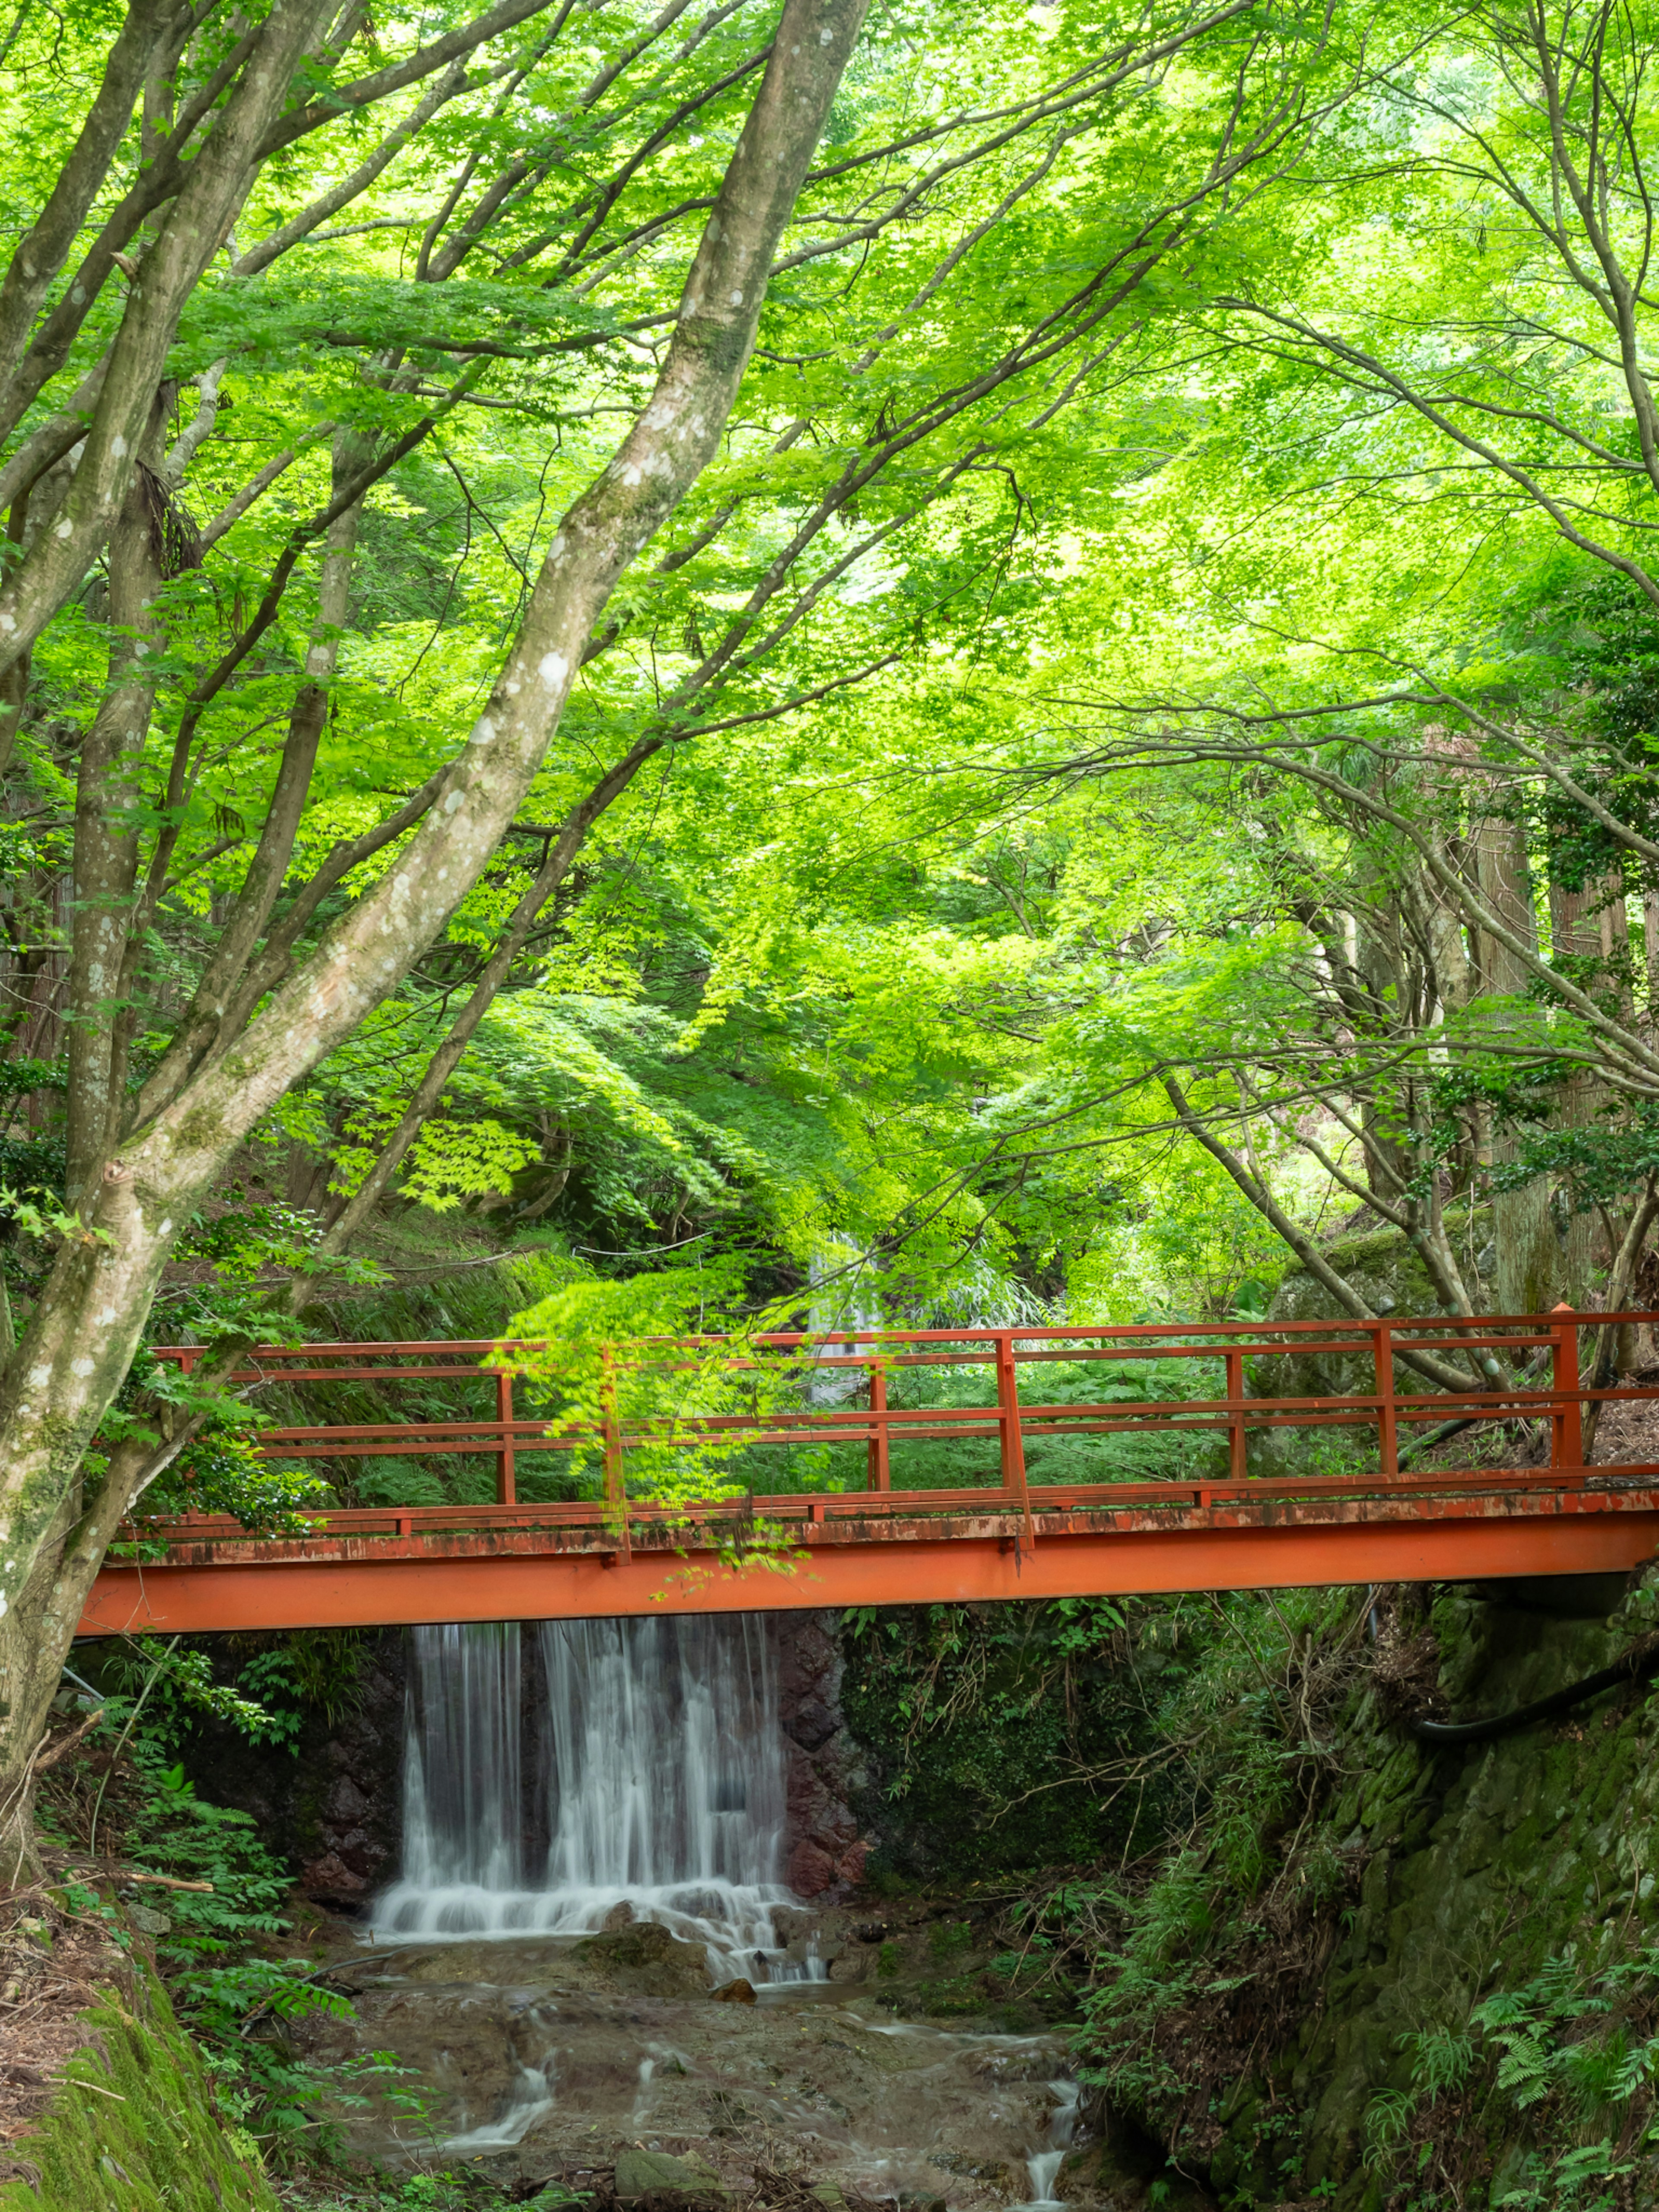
pixel 906 2072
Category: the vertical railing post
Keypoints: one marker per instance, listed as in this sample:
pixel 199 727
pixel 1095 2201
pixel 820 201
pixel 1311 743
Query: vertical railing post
pixel 880 1475
pixel 616 1489
pixel 186 1366
pixel 1236 1467
pixel 1567 1414
pixel 506 1492
pixel 1013 1435
pixel 1388 1417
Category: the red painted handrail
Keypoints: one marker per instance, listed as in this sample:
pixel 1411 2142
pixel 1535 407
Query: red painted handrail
pixel 868 1358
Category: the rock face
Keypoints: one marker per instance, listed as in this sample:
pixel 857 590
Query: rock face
pixel 644 1958
pixel 825 1852
pixel 641 2174
pixel 333 1804
pixel 1388 1274
pixel 1478 1863
pixel 1392 1280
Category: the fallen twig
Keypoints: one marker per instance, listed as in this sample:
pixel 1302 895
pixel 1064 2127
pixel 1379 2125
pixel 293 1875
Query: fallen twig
pixel 61 1749
pixel 104 1871
pixel 75 2081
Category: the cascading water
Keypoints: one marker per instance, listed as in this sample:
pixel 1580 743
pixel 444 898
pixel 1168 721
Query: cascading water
pixel 1042 2167
pixel 661 1768
pixel 463 1821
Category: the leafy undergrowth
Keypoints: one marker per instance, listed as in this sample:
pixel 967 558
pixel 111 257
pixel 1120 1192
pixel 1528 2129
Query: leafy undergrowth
pixel 1002 1742
pixel 1574 2052
pixel 191 1889
pixel 1209 1952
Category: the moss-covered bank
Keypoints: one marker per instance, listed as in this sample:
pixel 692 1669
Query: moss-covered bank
pixel 1392 1975
pixel 1322 1961
pixel 135 2127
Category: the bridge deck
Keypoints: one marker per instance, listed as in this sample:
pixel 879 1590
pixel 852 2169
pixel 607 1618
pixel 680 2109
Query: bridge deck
pixel 1011 1538
pixel 507 1567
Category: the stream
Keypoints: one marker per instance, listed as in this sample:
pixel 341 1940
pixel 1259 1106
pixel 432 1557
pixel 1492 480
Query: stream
pixel 589 1954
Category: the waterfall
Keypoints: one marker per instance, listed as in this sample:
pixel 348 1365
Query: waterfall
pixel 668 1754
pixel 656 1768
pixel 1042 2167
pixel 462 1826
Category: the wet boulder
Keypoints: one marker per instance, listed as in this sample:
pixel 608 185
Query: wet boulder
pixel 645 1959
pixel 653 2176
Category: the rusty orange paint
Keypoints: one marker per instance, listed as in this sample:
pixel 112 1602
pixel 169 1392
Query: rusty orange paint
pixel 1014 1537
pixel 525 1576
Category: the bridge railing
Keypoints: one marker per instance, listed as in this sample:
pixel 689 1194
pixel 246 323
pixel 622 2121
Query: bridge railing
pixel 989 1394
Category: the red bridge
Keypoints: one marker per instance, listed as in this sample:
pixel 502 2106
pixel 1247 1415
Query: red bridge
pixel 868 1408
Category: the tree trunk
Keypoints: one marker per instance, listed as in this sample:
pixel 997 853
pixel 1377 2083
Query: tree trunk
pixel 107 795
pixel 1390 1152
pixel 42 252
pixel 87 1323
pixel 1528 1253
pixel 216 186
pixel 1579 930
pixel 226 974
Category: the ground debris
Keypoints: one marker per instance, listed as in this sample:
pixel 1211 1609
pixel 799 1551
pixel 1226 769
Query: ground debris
pixel 53 1965
pixel 779 2190
pixel 1406 1662
pixel 625 2188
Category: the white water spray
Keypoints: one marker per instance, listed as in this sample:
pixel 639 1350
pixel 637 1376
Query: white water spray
pixel 663 1763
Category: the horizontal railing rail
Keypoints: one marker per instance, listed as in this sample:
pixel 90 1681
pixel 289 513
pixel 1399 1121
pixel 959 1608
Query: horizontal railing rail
pixel 1543 1354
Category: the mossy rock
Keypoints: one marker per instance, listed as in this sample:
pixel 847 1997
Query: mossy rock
pixel 648 1959
pixel 136 2128
pixel 1390 1277
pixel 1388 1274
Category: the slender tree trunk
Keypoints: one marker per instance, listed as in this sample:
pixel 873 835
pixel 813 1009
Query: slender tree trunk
pixel 150 28
pixel 1574 936
pixel 1528 1254
pixel 1580 930
pixel 1613 1350
pixel 1388 1151
pixel 215 186
pixel 224 977
pixel 107 795
pixel 87 1325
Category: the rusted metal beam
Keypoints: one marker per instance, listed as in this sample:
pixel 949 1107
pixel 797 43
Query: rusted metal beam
pixel 1012 1538
pixel 552 1573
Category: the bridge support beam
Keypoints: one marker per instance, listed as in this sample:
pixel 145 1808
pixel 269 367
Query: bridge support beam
pixel 527 1575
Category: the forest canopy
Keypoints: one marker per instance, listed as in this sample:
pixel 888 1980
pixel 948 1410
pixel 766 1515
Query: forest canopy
pixel 993 662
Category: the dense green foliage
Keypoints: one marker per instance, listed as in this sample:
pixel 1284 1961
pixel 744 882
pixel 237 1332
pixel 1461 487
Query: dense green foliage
pixel 1124 789
pixel 929 970
pixel 991 1733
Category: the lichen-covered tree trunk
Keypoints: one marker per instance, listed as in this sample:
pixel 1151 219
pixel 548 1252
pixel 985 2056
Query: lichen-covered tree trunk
pixel 1578 931
pixel 106 825
pixel 88 1324
pixel 1529 1252
pixel 217 184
